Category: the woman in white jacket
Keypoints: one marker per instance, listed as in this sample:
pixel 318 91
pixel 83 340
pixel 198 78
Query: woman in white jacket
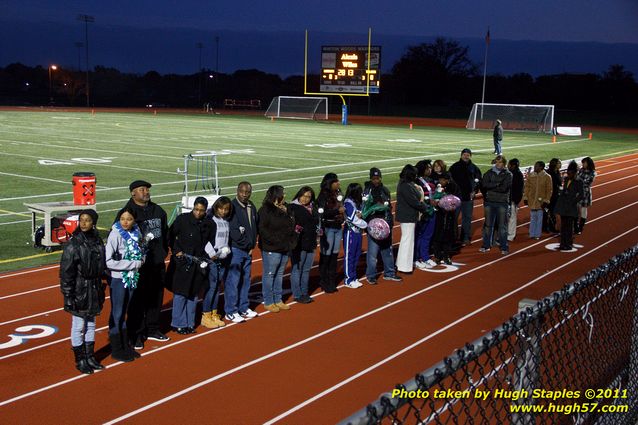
pixel 124 257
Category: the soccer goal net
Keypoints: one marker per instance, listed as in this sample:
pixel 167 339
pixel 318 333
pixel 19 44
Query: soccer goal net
pixel 309 108
pixel 538 118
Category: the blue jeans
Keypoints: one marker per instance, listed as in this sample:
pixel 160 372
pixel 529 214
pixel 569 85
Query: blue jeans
pixel 424 233
pixel 330 241
pixel 238 282
pixel 497 147
pixel 300 273
pixel 82 330
pixel 216 274
pixel 466 209
pixel 120 297
pixel 374 246
pixel 273 276
pixel 495 213
pixel 535 223
pixel 183 311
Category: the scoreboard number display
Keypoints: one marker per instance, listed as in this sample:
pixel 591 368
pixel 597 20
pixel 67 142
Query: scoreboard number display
pixel 344 69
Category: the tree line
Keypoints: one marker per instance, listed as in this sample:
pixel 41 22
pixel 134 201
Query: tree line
pixel 430 78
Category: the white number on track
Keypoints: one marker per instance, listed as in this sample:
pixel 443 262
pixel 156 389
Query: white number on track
pixel 21 338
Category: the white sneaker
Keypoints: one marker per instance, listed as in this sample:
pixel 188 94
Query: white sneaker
pixel 249 314
pixel 235 318
pixel 354 284
pixel 430 263
pixel 421 265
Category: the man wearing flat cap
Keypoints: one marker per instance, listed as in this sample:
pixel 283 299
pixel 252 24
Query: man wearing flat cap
pixel 468 177
pixel 146 303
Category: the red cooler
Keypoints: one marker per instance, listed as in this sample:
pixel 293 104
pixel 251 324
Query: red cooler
pixel 84 188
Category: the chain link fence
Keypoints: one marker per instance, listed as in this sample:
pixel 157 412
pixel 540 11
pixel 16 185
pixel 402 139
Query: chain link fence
pixel 571 358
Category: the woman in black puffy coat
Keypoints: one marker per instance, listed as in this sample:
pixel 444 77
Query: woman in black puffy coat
pixel 81 269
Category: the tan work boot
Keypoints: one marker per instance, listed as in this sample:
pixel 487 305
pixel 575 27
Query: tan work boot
pixel 208 321
pixel 218 320
pixel 273 308
pixel 282 305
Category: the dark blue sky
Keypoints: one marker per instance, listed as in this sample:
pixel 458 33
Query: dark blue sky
pixel 140 35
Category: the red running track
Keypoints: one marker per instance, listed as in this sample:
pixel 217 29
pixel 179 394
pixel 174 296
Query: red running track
pixel 316 363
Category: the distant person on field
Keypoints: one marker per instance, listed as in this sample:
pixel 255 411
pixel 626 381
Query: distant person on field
pixel 243 224
pixel 496 185
pixel 468 177
pixel 549 216
pixel 498 138
pixel 538 192
pixel 81 270
pixel 516 196
pixel 143 320
pixel 586 174
pixel 567 206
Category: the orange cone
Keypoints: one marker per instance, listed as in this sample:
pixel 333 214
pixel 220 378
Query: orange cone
pixel 553 139
pixel 590 136
pixel 410 126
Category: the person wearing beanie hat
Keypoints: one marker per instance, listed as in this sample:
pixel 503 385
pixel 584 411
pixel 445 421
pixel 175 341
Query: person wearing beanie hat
pixel 375 172
pixel 143 321
pixel 81 270
pixel 570 195
pixel 498 137
pixel 376 193
pixel 468 178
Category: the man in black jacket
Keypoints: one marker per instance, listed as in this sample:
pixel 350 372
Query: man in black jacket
pixel 243 236
pixel 143 320
pixel 468 177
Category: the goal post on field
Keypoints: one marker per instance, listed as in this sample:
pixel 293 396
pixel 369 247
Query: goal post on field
pixel 298 107
pixel 516 117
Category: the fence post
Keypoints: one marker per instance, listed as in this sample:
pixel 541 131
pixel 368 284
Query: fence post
pixel 526 376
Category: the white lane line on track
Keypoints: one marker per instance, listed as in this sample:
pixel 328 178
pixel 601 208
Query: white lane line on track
pixel 265 357
pixel 433 334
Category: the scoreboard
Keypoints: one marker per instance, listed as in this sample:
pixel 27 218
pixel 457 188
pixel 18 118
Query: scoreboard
pixel 344 69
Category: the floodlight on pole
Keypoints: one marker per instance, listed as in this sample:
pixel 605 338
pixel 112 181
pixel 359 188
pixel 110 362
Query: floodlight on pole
pixel 51 68
pixel 86 19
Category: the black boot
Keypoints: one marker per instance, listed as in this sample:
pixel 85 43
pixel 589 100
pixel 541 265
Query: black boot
pixel 89 349
pixel 80 360
pixel 581 225
pixel 117 351
pixel 324 278
pixel 127 346
pixel 332 273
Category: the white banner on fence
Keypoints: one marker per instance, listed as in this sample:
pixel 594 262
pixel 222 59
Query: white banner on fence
pixel 568 131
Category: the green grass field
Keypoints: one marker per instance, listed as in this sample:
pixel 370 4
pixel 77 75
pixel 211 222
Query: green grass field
pixel 40 151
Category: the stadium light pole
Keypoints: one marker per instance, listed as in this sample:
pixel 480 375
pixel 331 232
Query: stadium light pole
pixel 86 19
pixel 79 46
pixel 200 46
pixel 51 68
pixel 487 46
pixel 217 54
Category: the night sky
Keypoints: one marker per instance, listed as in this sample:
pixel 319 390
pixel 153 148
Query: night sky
pixel 137 36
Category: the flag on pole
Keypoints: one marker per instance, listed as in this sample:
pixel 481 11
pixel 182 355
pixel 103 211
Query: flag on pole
pixel 487 37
